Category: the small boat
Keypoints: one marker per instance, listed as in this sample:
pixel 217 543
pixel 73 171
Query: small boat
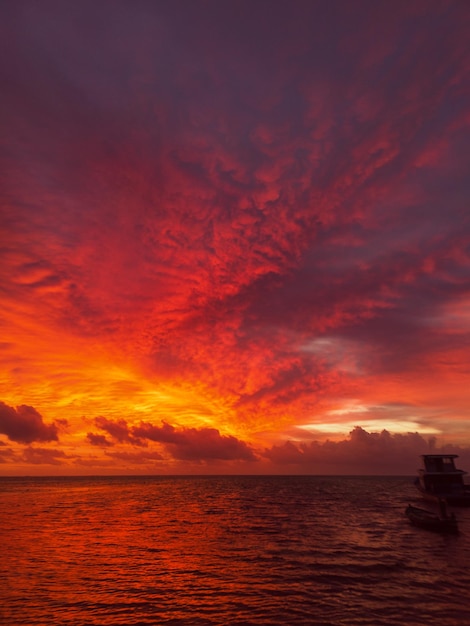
pixel 440 479
pixel 430 521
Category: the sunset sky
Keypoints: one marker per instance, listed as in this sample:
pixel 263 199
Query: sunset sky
pixel 235 235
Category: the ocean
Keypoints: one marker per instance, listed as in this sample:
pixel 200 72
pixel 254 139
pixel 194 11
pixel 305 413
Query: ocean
pixel 243 550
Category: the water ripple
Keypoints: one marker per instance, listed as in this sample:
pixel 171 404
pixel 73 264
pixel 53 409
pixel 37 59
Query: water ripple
pixel 106 552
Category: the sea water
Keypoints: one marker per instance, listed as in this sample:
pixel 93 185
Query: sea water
pixel 137 551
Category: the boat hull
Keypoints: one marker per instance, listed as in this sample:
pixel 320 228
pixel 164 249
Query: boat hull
pixel 429 521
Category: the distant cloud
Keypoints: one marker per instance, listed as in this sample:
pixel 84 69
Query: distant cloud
pixel 98 440
pixel 6 454
pixel 190 444
pixel 44 456
pixel 136 458
pixel 118 429
pixel 361 453
pixel 94 462
pixel 25 425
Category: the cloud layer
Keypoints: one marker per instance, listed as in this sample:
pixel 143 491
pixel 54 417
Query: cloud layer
pixel 165 448
pixel 234 217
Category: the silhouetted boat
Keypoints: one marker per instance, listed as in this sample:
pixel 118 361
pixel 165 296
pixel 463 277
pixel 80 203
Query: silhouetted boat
pixel 431 521
pixel 441 480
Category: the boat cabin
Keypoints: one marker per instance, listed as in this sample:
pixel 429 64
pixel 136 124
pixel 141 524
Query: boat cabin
pixel 440 463
pixel 440 476
pixel 440 479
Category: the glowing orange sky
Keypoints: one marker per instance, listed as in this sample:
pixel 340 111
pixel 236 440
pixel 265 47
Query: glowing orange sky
pixel 234 236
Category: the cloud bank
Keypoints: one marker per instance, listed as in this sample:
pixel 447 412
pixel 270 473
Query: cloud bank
pixel 240 215
pixel 177 449
pixel 190 444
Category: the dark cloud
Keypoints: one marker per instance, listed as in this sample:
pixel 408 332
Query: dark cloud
pixel 191 444
pixel 119 431
pixel 25 425
pixel 98 440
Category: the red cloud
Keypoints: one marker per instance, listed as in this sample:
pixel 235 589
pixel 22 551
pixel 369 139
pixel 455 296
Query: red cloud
pixel 25 425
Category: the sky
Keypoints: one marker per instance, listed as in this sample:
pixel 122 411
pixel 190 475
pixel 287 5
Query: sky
pixel 235 236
